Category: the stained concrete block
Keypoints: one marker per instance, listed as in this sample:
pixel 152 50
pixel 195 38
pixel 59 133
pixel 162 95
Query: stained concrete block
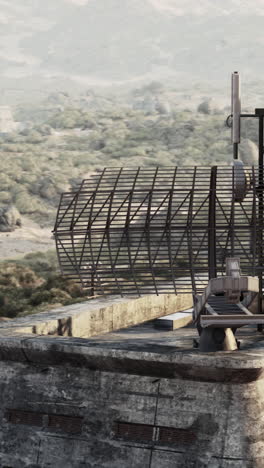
pixel 165 459
pixel 174 321
pixel 101 399
pixel 18 448
pixel 78 454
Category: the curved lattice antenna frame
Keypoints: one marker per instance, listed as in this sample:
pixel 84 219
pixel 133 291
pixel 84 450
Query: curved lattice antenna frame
pixel 159 230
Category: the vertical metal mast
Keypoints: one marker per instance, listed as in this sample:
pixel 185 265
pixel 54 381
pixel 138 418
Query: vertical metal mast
pixel 260 114
pixel 236 116
pixel 212 225
pixel 236 111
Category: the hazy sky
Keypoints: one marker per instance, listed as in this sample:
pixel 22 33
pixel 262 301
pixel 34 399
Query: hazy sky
pixel 128 40
pixel 197 7
pixel 211 7
pixel 78 2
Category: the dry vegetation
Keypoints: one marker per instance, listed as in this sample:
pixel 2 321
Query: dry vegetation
pixel 65 138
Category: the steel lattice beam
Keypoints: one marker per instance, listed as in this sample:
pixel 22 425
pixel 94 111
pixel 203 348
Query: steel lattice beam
pixel 158 230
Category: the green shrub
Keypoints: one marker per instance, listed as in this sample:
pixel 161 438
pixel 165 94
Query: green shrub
pixel 32 284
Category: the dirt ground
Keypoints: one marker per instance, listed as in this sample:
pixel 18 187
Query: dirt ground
pixel 29 238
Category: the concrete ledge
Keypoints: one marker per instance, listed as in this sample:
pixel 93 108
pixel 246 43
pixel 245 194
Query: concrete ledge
pixel 153 361
pixel 97 316
pixel 174 321
pixel 82 335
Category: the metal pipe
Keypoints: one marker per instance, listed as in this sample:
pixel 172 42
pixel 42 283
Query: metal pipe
pixel 212 225
pixel 261 217
pixel 235 150
pixel 236 111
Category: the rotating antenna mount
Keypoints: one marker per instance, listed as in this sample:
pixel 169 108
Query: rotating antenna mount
pixel 241 178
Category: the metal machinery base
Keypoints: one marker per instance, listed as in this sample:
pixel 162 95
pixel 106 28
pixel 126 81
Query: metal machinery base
pixel 217 339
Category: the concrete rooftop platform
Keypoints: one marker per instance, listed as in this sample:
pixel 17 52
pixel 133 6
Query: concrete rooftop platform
pixel 142 350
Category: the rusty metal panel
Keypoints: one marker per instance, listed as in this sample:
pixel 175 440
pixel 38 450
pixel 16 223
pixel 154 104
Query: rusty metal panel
pixel 24 417
pixel 132 431
pixel 70 424
pixel 156 434
pixel 173 435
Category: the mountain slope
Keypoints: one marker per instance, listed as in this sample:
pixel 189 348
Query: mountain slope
pixel 126 40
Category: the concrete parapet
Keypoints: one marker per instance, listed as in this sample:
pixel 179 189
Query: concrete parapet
pixel 97 316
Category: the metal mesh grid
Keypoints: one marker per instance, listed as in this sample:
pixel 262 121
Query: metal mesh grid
pixel 158 230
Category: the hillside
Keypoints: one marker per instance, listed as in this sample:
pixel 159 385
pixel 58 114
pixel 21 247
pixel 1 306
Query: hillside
pixel 66 138
pixel 49 156
pixel 98 42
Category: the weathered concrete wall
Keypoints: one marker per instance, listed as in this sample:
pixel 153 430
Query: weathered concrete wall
pixel 100 315
pixel 116 401
pixel 116 409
